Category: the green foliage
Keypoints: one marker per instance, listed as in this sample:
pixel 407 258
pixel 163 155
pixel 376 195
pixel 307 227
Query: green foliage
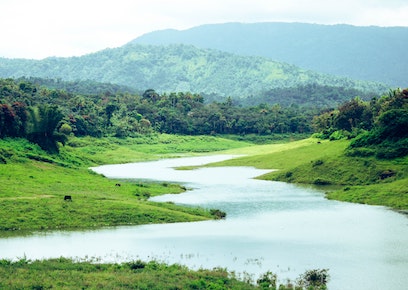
pixel 315 279
pixel 218 214
pixel 123 115
pixel 379 128
pixel 43 130
pixel 267 281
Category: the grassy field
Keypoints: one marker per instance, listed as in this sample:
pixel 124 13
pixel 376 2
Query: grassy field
pixel 34 184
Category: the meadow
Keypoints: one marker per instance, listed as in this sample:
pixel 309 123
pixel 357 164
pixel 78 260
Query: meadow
pixel 34 184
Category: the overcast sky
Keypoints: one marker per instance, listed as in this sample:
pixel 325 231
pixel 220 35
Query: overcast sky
pixel 42 28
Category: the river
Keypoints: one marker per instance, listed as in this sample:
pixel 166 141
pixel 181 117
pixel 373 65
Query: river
pixel 274 226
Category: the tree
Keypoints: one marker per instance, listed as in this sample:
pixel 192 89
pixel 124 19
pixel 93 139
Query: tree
pixel 44 121
pixel 354 114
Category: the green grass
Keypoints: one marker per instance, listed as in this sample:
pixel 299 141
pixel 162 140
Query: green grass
pixel 325 163
pixel 392 194
pixel 32 198
pixel 34 183
pixel 65 274
pixel 142 148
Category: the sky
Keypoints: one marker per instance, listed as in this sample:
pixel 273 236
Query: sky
pixel 43 28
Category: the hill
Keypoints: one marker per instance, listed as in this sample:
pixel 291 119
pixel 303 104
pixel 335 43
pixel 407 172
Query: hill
pixel 176 68
pixel 366 53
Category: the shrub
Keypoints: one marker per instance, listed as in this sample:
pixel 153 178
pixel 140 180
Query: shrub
pixel 314 278
pixel 338 135
pixel 135 265
pixel 267 281
pixel 218 214
pixel 319 181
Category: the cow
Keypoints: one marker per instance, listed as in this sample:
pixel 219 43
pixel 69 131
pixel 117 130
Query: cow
pixel 68 198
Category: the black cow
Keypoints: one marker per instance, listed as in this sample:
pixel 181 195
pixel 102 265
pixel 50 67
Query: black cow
pixel 68 198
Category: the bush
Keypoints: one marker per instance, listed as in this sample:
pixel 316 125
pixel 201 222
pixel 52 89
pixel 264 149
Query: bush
pixel 319 181
pixel 314 278
pixel 360 152
pixel 338 135
pixel 218 214
pixel 267 281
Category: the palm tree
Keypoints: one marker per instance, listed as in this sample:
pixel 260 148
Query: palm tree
pixel 44 121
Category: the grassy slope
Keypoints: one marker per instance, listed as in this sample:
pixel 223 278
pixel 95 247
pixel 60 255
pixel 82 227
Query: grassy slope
pixel 308 161
pixel 34 183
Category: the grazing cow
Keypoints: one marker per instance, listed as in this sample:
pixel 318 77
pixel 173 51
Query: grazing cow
pixel 67 198
pixel 117 184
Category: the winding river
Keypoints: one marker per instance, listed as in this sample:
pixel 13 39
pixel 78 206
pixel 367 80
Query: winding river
pixel 274 226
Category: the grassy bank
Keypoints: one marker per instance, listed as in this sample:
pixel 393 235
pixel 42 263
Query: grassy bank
pixel 34 184
pixel 66 274
pixel 362 180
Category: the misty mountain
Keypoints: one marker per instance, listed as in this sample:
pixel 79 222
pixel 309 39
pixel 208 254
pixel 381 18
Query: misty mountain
pixel 366 53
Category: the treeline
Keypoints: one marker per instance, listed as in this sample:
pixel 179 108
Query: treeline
pixel 26 107
pixel 47 116
pixel 378 127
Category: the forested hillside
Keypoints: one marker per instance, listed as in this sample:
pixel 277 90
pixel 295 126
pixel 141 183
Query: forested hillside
pixel 366 53
pixel 184 68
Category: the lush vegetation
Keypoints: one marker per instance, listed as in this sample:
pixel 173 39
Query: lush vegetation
pixel 364 53
pixel 179 68
pixel 46 116
pixel 380 126
pixel 366 155
pixel 66 274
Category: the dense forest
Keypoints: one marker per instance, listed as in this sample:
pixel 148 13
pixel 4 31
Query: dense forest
pixel 365 53
pixel 47 116
pixel 26 106
pixel 183 68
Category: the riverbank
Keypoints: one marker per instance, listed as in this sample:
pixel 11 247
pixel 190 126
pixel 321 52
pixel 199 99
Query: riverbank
pixel 34 184
pixel 364 180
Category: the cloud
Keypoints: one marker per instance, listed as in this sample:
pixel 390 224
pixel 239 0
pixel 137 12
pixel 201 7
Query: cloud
pixel 42 28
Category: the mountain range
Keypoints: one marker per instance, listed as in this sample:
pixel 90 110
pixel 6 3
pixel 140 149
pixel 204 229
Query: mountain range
pixel 365 53
pixel 175 68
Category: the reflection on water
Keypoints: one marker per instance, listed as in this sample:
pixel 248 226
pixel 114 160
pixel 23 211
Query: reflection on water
pixel 270 226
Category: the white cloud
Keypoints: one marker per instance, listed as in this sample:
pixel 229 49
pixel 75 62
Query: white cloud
pixel 42 28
